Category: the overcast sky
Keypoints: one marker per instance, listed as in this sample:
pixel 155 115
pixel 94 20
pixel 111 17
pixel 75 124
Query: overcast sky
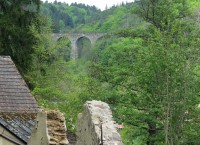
pixel 98 3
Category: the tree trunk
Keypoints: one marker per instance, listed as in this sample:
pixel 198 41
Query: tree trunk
pixel 152 132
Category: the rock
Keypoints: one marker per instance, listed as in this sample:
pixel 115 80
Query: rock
pixel 96 120
pixel 56 128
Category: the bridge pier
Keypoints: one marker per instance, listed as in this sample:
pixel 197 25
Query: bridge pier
pixel 74 48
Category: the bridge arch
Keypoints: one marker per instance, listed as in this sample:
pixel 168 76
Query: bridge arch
pixel 84 46
pixel 74 37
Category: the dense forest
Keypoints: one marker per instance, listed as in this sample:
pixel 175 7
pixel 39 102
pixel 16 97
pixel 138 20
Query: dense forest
pixel 146 67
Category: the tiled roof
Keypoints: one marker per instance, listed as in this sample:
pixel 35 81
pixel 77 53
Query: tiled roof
pixel 15 97
pixel 18 107
pixel 20 127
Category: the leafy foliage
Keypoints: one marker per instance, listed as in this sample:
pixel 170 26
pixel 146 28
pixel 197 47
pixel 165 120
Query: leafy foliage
pixel 147 69
pixel 148 75
pixel 66 17
pixel 152 74
pixel 16 38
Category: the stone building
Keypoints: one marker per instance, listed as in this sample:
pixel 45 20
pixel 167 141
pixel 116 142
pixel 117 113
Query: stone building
pixel 21 120
pixel 23 123
pixel 18 108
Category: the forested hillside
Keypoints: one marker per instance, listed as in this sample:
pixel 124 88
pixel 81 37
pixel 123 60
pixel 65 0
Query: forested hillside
pixel 81 17
pixel 146 68
pixel 65 17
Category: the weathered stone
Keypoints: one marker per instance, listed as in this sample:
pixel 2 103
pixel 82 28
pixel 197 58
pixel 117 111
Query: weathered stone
pixel 96 120
pixel 56 128
pixel 116 136
pixel 63 142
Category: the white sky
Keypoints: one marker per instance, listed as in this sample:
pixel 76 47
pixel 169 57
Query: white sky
pixel 98 3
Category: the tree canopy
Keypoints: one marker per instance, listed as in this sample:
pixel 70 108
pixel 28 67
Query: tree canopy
pixel 16 36
pixel 146 67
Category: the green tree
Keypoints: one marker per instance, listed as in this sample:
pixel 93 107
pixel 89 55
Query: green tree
pixel 16 38
pixel 153 77
pixel 171 59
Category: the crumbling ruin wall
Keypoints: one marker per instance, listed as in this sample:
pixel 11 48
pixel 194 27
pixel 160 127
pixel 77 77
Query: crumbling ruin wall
pixel 95 125
pixel 39 135
pixel 56 128
pixel 50 129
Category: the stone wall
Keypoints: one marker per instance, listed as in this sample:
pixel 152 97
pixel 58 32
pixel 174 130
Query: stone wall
pixel 50 129
pixel 39 135
pixel 95 125
pixel 56 128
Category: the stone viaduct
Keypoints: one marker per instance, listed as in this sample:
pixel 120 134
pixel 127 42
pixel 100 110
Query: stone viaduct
pixel 75 37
